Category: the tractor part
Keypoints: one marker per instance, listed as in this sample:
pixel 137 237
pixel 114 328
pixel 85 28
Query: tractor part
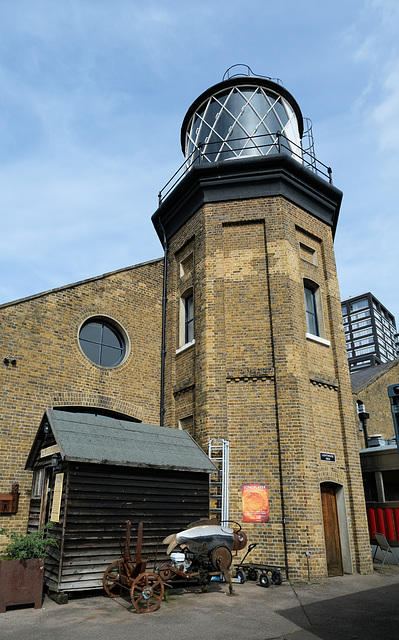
pixel 115 580
pixel 146 592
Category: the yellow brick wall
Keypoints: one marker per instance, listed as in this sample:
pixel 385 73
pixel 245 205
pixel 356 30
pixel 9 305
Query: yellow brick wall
pixel 51 370
pixel 254 378
pixel 376 401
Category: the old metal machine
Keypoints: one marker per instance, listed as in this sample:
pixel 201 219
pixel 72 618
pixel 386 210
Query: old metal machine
pixel 205 551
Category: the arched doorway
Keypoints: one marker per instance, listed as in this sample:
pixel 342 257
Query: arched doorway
pixel 331 529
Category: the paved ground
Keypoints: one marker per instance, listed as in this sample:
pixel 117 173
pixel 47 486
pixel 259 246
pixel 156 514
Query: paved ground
pixel 343 608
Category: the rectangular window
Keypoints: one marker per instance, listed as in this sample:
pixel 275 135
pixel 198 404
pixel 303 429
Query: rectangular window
pixel 362 363
pixel 363 323
pixel 391 485
pixel 189 318
pixel 364 341
pixel 362 314
pixel 37 483
pixel 359 304
pixel 370 486
pixel 363 332
pixel 311 311
pixel 360 352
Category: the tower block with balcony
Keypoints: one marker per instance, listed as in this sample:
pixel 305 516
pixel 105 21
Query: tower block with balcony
pixel 254 345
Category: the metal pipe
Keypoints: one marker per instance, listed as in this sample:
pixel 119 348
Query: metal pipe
pixel 307 560
pixel 163 350
pixel 280 463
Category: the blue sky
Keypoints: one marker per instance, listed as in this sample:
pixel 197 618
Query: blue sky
pixel 93 94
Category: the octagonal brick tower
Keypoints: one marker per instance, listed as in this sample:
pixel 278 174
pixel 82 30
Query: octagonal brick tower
pixel 254 345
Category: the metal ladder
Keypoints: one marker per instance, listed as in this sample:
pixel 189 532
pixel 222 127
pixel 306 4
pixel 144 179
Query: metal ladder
pixel 218 452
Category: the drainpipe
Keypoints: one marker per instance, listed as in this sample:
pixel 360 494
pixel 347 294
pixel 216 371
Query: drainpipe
pixel 280 462
pixel 163 351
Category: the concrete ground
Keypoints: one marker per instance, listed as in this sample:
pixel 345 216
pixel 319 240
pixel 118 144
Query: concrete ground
pixel 348 607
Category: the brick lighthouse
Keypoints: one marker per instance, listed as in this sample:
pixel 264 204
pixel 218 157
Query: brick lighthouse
pixel 254 350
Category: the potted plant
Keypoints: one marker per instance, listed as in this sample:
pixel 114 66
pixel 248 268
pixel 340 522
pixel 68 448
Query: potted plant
pixel 22 567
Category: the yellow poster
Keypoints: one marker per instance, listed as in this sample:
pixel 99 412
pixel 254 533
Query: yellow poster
pixel 255 502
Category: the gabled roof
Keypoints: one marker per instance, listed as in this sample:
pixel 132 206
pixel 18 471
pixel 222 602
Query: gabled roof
pixel 97 439
pixel 365 377
pixel 79 283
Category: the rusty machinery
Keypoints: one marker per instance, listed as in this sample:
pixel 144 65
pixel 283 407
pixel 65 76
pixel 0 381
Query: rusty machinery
pixel 206 551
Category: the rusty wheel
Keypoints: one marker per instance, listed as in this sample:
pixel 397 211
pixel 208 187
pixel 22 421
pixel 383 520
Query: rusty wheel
pixel 165 571
pixel 115 579
pixel 221 558
pixel 147 592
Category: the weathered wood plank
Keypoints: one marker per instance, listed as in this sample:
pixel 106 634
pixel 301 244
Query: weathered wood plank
pixel 100 499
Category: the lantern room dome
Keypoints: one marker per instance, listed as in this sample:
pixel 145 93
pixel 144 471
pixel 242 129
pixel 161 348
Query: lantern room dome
pixel 244 115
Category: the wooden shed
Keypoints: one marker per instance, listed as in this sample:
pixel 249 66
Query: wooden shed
pixel 92 473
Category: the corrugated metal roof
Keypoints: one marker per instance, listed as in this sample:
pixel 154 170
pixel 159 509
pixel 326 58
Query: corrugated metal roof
pixel 99 439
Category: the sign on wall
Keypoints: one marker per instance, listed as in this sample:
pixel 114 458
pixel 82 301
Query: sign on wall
pixel 255 502
pixel 327 457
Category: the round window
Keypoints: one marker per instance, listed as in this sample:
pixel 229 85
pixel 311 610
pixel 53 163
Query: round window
pixel 102 342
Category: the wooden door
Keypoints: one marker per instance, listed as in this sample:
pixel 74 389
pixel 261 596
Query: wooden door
pixel 331 530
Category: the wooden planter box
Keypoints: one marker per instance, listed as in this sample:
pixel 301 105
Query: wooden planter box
pixel 21 582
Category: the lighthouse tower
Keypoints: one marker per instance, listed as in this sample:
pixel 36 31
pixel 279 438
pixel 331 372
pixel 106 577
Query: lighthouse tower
pixel 254 351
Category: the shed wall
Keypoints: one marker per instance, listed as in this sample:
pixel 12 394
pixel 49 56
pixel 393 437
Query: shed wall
pixel 100 499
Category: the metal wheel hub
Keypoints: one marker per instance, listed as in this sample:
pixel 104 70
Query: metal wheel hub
pixel 147 592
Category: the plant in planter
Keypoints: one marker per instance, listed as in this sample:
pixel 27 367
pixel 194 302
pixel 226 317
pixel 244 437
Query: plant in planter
pixel 22 567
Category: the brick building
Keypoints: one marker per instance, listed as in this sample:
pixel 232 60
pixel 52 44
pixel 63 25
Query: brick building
pixel 43 364
pixel 369 388
pixel 249 346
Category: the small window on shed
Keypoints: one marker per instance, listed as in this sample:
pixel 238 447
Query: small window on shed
pixel 37 483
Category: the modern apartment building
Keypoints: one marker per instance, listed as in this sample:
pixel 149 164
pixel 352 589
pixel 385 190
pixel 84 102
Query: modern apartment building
pixel 370 331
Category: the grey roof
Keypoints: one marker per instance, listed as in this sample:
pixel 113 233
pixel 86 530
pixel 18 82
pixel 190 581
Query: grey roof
pixel 365 377
pixel 100 439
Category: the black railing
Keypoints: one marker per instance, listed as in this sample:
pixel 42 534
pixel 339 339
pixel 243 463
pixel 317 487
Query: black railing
pixel 279 144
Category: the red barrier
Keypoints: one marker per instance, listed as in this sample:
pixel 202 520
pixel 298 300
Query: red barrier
pixel 372 522
pixel 390 534
pixel 380 522
pixel 396 519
